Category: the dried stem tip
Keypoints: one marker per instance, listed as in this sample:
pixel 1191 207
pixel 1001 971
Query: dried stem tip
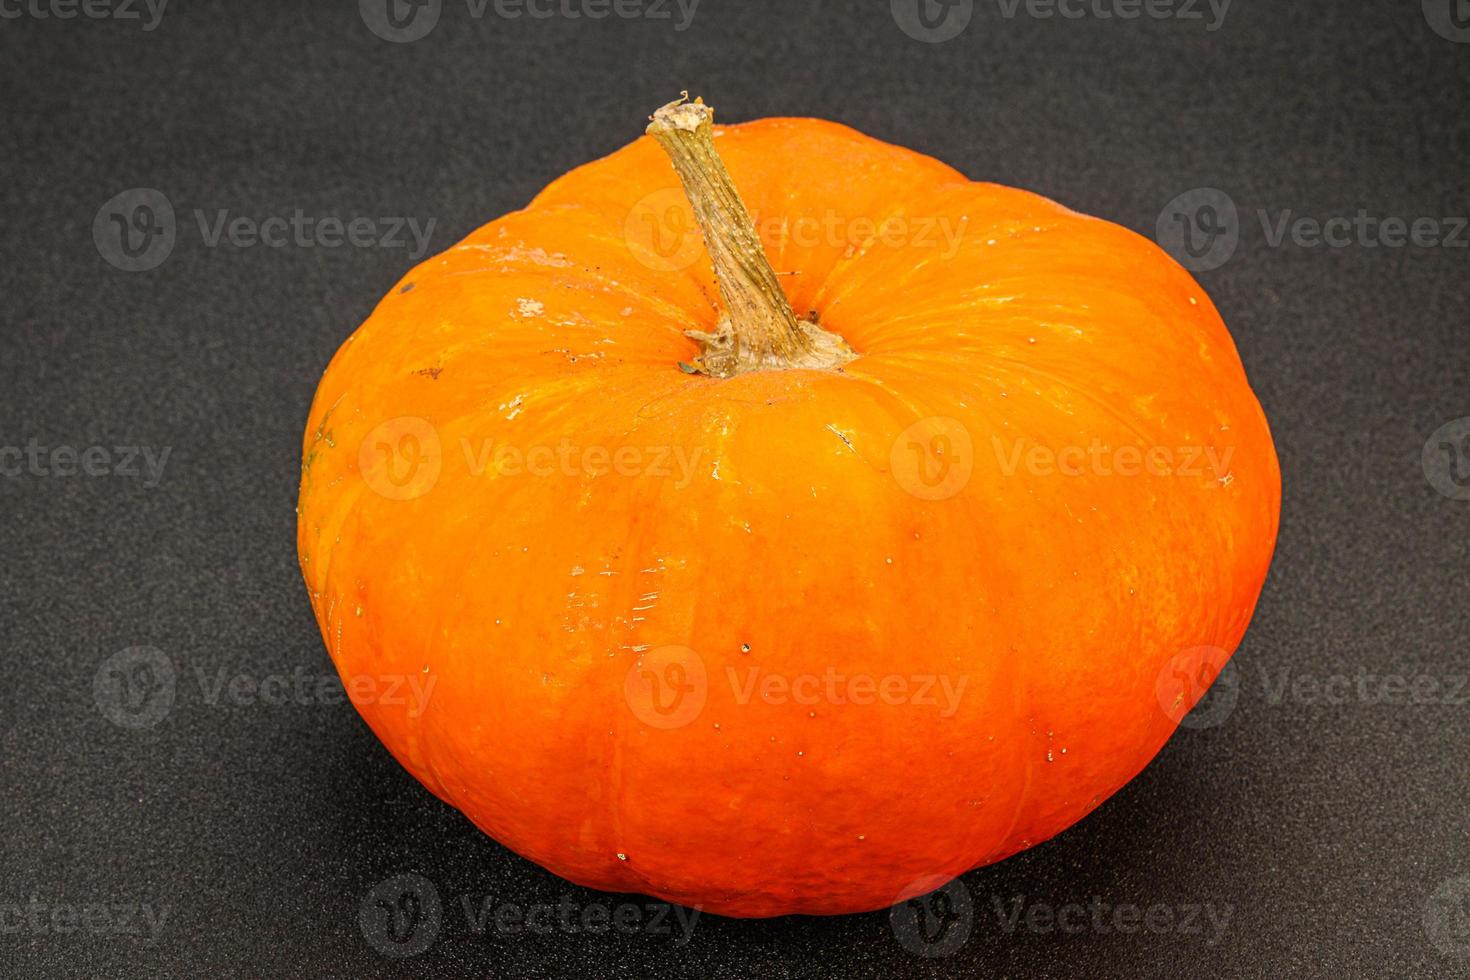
pixel 759 330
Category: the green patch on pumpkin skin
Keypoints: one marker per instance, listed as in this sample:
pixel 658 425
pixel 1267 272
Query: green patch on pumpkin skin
pixel 321 434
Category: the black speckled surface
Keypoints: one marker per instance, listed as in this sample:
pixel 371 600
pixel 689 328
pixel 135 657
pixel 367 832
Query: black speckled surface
pixel 1330 836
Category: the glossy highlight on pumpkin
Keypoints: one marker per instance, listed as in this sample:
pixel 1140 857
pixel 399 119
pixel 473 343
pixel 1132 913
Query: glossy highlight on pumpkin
pixel 792 641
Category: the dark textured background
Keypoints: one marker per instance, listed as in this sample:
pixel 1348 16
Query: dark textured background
pixel 1335 834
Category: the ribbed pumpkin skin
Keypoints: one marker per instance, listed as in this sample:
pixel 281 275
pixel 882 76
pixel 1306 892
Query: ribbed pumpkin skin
pixel 1071 607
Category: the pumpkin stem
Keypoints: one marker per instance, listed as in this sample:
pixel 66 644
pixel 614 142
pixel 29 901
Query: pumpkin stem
pixel 758 330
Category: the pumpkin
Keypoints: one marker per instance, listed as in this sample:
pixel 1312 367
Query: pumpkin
pixel 787 530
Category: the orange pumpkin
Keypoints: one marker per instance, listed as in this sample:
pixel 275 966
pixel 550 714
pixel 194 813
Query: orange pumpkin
pixel 674 590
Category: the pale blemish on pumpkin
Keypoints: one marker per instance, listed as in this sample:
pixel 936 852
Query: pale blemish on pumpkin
pixel 539 256
pixel 843 436
pixel 529 307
